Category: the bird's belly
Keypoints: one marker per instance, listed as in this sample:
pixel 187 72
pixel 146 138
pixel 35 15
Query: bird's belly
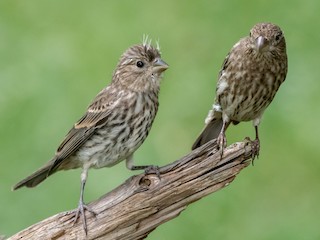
pixel 248 94
pixel 111 145
pixel 245 108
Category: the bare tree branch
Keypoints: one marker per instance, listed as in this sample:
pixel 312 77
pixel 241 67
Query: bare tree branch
pixel 143 202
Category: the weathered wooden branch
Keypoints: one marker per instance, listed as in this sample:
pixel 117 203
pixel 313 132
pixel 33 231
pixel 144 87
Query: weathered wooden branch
pixel 143 202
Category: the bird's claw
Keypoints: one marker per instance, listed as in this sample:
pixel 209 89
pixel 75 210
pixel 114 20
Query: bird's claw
pixel 221 143
pixel 255 145
pixel 152 169
pixel 255 148
pixel 81 211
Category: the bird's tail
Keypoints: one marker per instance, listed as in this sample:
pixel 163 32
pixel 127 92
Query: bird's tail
pixel 211 131
pixel 35 178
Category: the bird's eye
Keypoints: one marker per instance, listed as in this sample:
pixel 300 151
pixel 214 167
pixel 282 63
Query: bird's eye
pixel 278 36
pixel 140 64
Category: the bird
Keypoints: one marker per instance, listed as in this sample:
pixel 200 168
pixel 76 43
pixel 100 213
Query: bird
pixel 250 77
pixel 114 125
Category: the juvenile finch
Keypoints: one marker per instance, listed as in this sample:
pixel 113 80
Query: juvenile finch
pixel 115 124
pixel 250 76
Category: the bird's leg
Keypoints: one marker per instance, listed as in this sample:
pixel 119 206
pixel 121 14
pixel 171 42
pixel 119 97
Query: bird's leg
pixel 148 169
pixel 81 206
pixel 222 140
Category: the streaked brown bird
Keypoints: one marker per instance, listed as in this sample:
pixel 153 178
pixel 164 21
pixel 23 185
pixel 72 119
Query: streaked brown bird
pixel 116 122
pixel 250 76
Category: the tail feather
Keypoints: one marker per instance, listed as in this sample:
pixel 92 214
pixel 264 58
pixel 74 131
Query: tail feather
pixel 35 178
pixel 211 131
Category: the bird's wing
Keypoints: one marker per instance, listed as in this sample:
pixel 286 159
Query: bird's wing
pixel 96 116
pixel 225 65
pixel 237 48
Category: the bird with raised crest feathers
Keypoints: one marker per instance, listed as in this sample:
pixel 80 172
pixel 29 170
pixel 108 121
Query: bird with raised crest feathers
pixel 115 124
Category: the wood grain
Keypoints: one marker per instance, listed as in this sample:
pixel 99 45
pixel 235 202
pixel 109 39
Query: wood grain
pixel 143 202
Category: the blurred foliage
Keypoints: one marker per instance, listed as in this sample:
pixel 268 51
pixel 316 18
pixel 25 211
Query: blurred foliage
pixel 56 55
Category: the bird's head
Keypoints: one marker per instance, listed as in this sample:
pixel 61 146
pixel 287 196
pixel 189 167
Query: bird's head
pixel 267 37
pixel 140 68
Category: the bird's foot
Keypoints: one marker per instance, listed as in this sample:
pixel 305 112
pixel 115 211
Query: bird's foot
pixel 145 182
pixel 148 169
pixel 221 143
pixel 81 211
pixel 255 148
pixel 152 169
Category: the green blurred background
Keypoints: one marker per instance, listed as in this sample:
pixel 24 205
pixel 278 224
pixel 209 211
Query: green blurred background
pixel 55 56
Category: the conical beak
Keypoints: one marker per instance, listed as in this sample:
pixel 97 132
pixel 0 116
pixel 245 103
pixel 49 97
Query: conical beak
pixel 160 66
pixel 261 43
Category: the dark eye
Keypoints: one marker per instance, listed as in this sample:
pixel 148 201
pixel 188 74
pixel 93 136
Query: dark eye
pixel 140 64
pixel 278 37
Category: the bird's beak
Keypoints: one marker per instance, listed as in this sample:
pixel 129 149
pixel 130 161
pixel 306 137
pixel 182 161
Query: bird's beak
pixel 261 43
pixel 160 66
